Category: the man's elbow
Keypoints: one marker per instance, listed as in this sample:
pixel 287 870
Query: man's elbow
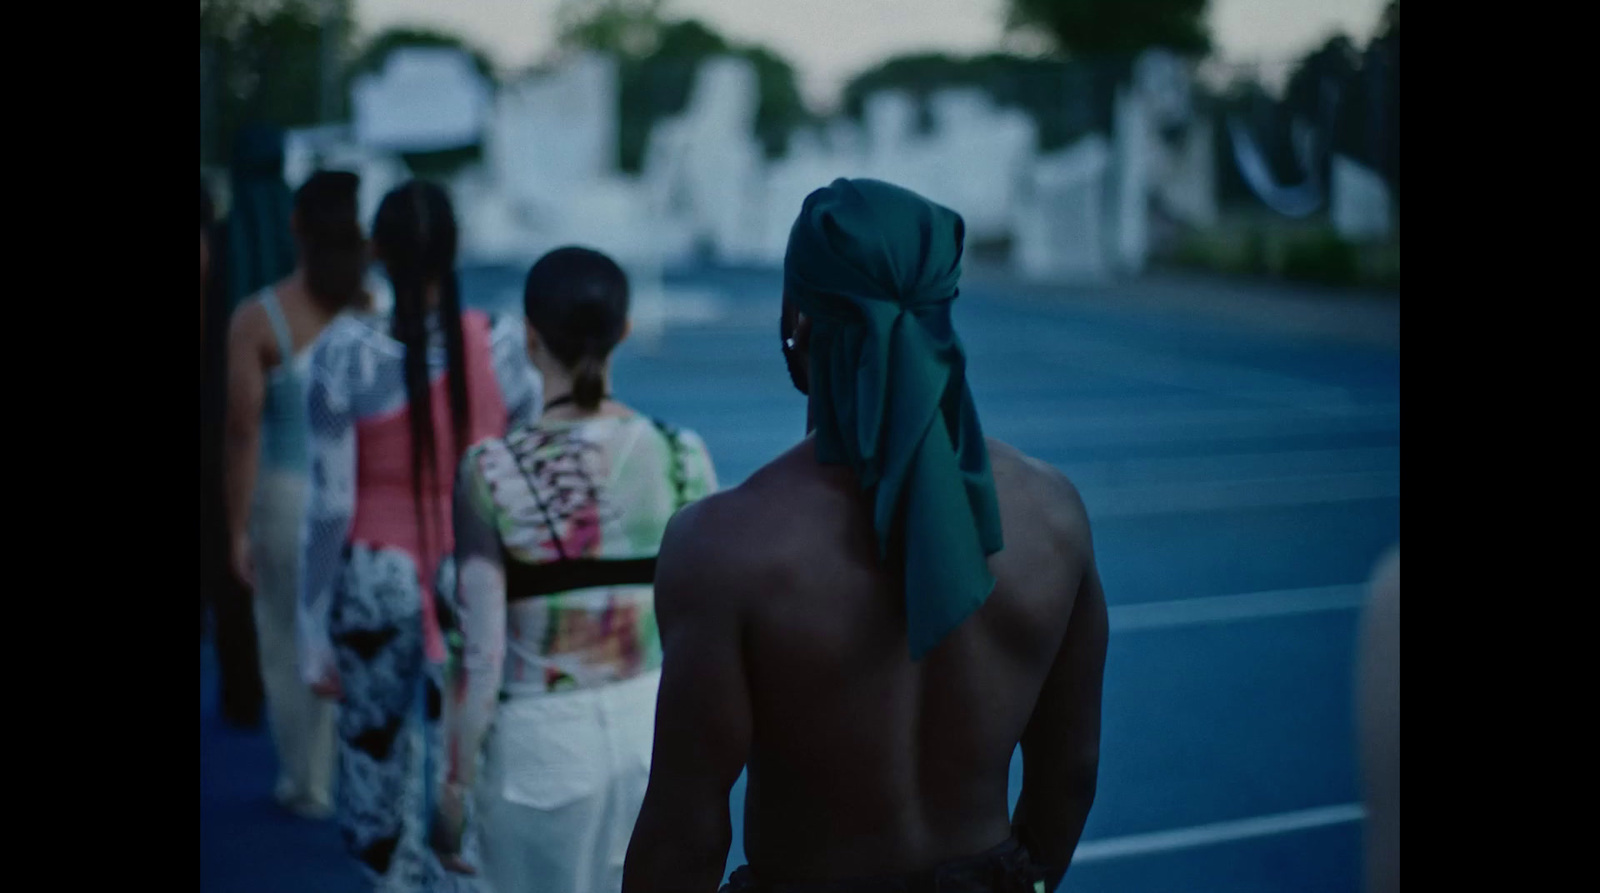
pixel 1070 794
pixel 1064 792
pixel 676 853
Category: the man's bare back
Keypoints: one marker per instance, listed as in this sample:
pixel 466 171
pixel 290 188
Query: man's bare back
pixel 785 645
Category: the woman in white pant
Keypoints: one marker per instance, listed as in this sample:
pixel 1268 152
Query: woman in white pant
pixel 557 526
pixel 269 350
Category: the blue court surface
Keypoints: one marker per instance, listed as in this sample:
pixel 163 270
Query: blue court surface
pixel 1243 481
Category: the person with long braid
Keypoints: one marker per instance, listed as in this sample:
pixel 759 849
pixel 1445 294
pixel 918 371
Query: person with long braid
pixel 394 403
pixel 269 347
pixel 557 528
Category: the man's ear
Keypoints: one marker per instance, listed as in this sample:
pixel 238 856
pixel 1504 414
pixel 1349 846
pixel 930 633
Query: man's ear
pixel 802 333
pixel 797 354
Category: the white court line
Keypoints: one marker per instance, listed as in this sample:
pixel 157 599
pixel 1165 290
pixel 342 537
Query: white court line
pixel 1217 832
pixel 1211 467
pixel 1031 426
pixel 1230 608
pixel 1211 496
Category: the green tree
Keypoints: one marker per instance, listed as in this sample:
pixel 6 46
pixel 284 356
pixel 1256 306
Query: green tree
pixel 262 61
pixel 1091 28
pixel 658 60
pixel 629 29
pixel 1382 63
pixel 377 50
pixel 1326 89
pixel 1064 97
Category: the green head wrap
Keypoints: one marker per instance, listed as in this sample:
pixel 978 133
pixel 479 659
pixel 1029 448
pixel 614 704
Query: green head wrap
pixel 875 267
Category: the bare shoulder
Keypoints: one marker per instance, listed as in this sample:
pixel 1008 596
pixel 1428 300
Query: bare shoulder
pixel 699 570
pixel 728 544
pixel 720 534
pixel 1047 491
pixel 249 322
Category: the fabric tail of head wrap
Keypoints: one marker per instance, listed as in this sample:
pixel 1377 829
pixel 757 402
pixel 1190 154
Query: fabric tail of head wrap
pixel 875 267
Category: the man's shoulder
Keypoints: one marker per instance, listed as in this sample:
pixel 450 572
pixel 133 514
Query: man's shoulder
pixel 1046 490
pixel 735 539
pixel 725 529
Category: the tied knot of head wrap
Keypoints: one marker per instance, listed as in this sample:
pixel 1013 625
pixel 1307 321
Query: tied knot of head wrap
pixel 875 268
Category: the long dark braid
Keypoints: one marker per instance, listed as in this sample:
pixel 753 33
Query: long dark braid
pixel 415 232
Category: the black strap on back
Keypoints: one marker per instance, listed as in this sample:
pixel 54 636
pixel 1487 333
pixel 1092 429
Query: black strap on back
pixel 532 580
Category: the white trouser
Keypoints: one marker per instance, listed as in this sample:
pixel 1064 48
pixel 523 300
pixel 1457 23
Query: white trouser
pixel 303 730
pixel 563 778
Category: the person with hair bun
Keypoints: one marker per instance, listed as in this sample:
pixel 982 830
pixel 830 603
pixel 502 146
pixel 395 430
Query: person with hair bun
pixel 394 402
pixel 269 351
pixel 557 528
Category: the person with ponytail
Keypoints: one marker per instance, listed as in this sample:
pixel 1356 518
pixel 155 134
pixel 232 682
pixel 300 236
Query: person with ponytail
pixel 269 345
pixel 394 402
pixel 557 527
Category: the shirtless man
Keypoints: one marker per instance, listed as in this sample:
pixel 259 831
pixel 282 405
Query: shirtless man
pixel 847 623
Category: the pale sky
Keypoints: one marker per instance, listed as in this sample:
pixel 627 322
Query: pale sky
pixel 829 41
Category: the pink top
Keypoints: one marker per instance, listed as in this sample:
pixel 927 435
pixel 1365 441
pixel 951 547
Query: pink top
pixel 385 511
pixel 360 457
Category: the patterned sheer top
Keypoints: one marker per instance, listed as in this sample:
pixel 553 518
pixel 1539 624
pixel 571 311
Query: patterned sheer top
pixel 557 529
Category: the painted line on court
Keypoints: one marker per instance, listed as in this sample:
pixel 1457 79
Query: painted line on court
pixel 1215 833
pixel 1210 496
pixel 1233 608
pixel 1190 469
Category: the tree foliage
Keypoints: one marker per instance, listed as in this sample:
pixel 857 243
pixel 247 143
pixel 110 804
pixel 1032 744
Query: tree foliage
pixel 377 50
pixel 261 61
pixel 1066 99
pixel 1382 64
pixel 1347 94
pixel 1110 28
pixel 658 60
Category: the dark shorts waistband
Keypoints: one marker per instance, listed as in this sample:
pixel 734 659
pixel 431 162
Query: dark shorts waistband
pixel 1001 869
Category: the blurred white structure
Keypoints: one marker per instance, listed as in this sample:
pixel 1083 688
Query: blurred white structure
pixel 1360 201
pixel 1086 213
pixel 1163 81
pixel 550 135
pixel 1134 148
pixel 978 158
pixel 1184 176
pixel 550 178
pixel 426 99
pixel 809 164
pixel 704 169
pixel 1061 224
pixel 304 149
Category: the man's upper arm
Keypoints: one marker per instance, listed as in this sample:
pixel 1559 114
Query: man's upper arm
pixel 1063 735
pixel 1061 744
pixel 702 733
pixel 703 709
